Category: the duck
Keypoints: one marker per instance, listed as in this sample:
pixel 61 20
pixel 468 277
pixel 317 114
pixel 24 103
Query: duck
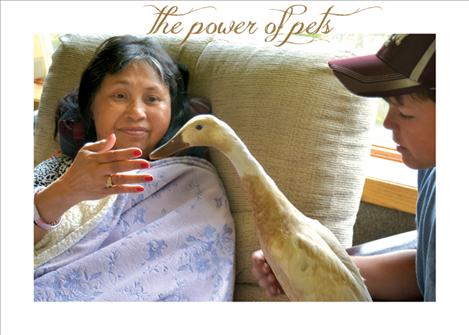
pixel 305 256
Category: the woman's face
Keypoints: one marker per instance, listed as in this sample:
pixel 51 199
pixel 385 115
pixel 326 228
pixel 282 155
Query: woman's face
pixel 135 105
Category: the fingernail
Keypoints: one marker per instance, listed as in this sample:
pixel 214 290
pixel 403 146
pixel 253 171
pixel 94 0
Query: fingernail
pixel 137 153
pixel 145 165
pixel 140 188
pixel 148 178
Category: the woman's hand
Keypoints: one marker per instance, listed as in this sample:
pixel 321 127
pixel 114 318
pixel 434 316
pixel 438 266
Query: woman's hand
pixel 87 177
pixel 264 275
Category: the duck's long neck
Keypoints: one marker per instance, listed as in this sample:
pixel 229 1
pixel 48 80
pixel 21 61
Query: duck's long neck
pixel 266 199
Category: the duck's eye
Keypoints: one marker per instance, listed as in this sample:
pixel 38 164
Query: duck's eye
pixel 199 127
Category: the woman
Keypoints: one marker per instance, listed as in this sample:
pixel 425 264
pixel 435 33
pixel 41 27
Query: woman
pixel 110 225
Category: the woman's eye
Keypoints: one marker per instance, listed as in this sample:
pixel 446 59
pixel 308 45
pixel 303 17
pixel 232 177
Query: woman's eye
pixel 119 96
pixel 152 99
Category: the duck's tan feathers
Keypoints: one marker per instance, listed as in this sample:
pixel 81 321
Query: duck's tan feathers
pixel 307 259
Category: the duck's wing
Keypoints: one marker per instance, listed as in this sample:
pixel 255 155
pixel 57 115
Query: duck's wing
pixel 335 245
pixel 331 274
pixel 309 270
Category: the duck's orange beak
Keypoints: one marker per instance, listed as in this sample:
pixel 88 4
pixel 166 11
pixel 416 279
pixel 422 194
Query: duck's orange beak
pixel 174 145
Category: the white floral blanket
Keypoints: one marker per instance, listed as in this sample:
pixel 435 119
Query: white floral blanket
pixel 173 242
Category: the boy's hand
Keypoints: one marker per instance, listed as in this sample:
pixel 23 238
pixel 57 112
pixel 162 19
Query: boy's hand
pixel 264 275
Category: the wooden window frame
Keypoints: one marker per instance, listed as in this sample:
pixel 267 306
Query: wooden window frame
pixel 386 193
pixel 379 151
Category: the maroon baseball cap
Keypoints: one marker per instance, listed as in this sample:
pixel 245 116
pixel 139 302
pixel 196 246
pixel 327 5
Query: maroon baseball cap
pixel 404 64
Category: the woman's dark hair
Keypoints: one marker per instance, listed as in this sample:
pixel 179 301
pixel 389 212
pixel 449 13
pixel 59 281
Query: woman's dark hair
pixel 111 57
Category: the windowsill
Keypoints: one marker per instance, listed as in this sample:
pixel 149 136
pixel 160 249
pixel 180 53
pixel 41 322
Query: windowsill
pixel 390 184
pixel 393 171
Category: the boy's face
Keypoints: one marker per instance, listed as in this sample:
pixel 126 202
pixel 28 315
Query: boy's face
pixel 412 122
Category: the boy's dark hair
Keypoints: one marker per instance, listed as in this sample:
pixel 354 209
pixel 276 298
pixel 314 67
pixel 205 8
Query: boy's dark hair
pixel 425 95
pixel 421 95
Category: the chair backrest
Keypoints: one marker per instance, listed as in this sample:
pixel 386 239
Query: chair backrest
pixel 309 133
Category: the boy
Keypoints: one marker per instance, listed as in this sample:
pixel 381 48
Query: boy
pixel 403 74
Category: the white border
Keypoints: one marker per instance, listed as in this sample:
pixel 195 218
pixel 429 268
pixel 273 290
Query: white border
pixel 20 315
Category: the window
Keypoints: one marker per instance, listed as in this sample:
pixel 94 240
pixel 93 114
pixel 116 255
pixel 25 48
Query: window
pixel 389 182
pixel 44 46
pixel 386 162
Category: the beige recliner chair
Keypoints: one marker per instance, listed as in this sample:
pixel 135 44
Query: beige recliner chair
pixel 310 134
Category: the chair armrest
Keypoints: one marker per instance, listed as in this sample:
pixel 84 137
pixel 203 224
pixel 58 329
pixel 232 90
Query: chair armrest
pixel 401 241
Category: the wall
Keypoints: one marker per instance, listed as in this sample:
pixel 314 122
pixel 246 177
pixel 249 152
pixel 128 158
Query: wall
pixel 374 222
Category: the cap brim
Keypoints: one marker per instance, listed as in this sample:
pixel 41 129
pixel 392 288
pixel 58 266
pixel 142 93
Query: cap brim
pixel 369 76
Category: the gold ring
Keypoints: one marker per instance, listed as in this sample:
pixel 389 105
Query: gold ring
pixel 109 183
